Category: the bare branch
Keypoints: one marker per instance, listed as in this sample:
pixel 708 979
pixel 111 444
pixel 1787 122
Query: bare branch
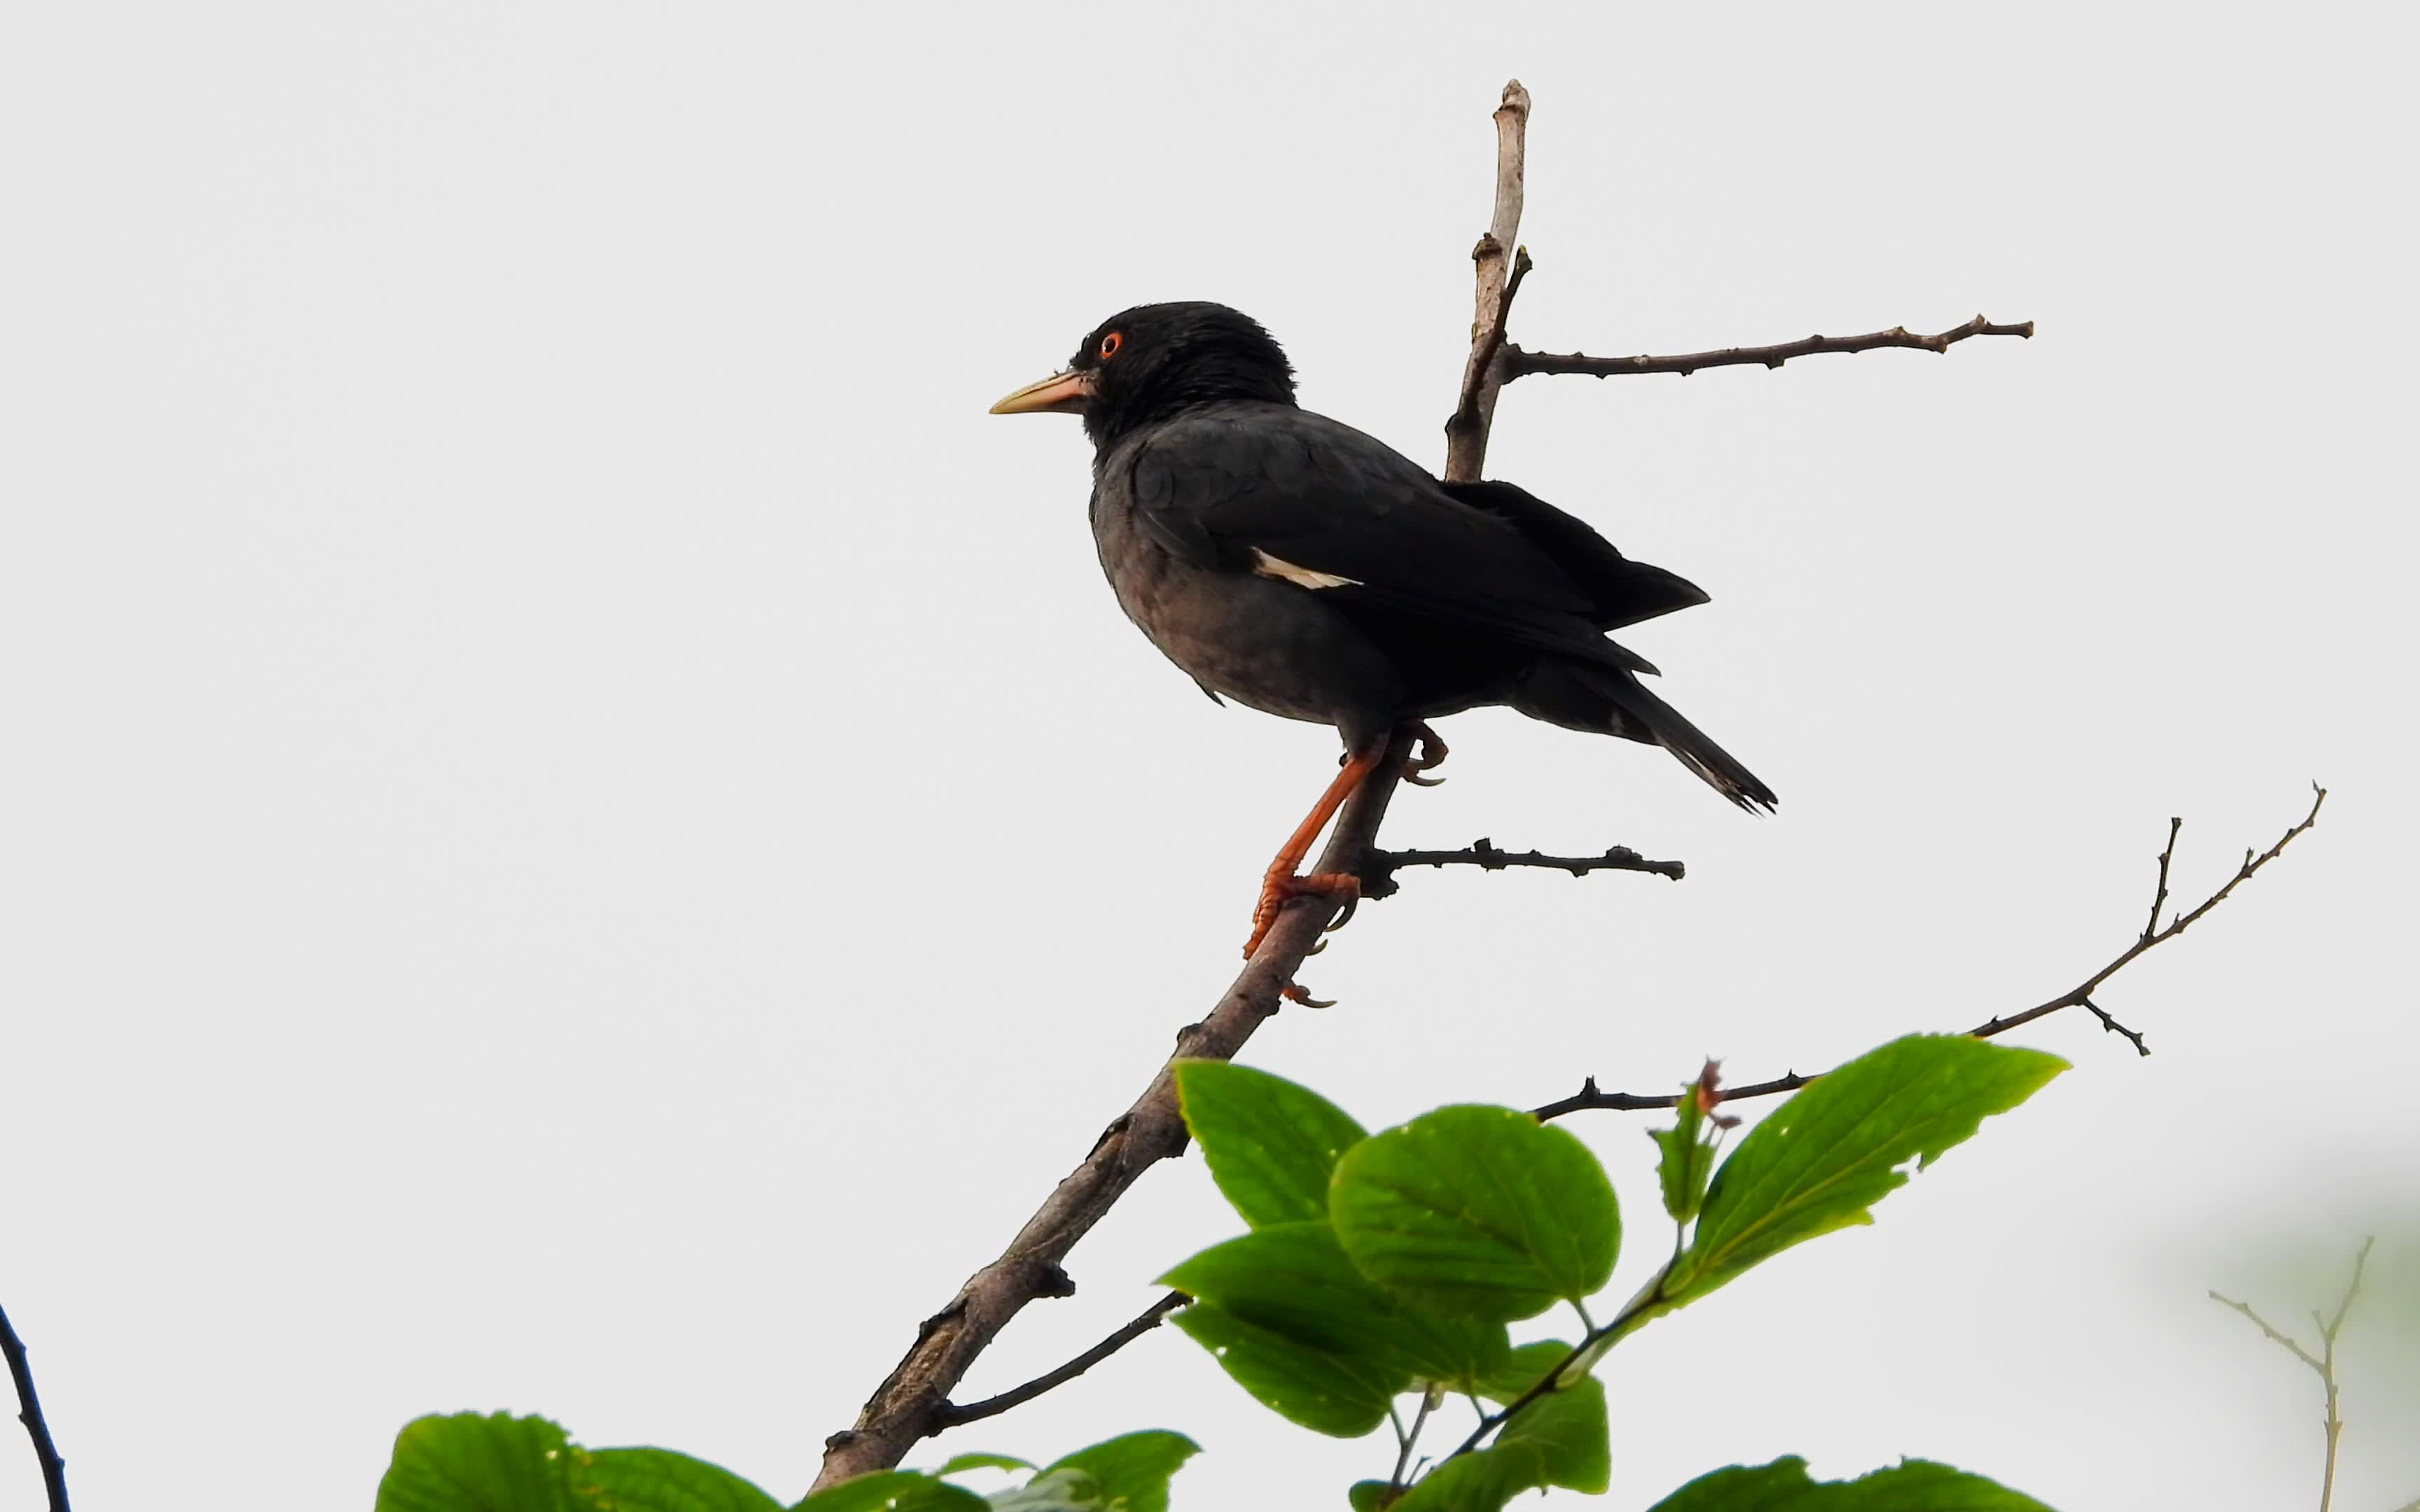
pixel 29 1411
pixel 1590 1097
pixel 2286 1341
pixel 2324 1366
pixel 1500 268
pixel 912 1402
pixel 2178 926
pixel 1378 871
pixel 2353 1289
pixel 1520 363
pixel 1590 1100
pixel 1143 1323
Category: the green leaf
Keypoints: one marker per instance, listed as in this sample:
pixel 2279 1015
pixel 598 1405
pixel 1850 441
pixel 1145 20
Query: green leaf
pixel 1053 1491
pixel 1824 1158
pixel 1522 1369
pixel 1341 1395
pixel 1911 1486
pixel 958 1464
pixel 500 1464
pixel 659 1480
pixel 1270 1144
pixel 1369 1495
pixel 1565 1432
pixel 1687 1157
pixel 1296 1280
pixel 1480 1481
pixel 1479 1211
pixel 1133 1470
pixel 893 1490
pixel 468 1462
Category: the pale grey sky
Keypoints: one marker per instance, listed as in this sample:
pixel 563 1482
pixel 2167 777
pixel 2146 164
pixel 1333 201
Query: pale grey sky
pixel 555 760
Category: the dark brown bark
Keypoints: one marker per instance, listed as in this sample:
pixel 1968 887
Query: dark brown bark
pixel 912 1404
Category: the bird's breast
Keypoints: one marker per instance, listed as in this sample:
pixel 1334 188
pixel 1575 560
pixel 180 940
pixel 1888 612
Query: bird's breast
pixel 1264 642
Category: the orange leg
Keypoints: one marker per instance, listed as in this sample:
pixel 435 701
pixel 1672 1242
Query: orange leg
pixel 1281 884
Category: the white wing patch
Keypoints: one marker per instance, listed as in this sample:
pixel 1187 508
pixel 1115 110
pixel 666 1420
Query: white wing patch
pixel 1269 567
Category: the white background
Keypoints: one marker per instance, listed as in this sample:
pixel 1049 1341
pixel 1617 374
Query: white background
pixel 578 832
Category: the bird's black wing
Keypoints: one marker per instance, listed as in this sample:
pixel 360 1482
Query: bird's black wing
pixel 1621 592
pixel 1289 494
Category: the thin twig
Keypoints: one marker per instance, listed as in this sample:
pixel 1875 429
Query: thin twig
pixel 1520 363
pixel 1500 267
pixel 952 1414
pixel 1639 1310
pixel 2177 926
pixel 2285 1341
pixel 1407 1438
pixel 2160 894
pixel 2324 1366
pixel 1589 1098
pixel 29 1411
pixel 1378 871
pixel 2110 1026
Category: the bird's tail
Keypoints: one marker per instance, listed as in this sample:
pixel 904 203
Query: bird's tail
pixel 1609 700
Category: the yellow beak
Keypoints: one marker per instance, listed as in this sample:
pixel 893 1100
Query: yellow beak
pixel 1061 393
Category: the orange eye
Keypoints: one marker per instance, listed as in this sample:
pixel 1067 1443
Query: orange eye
pixel 1110 344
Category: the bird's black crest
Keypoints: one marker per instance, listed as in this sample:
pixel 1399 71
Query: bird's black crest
pixel 1168 358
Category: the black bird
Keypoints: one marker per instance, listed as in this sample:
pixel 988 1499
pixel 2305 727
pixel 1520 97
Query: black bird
pixel 1303 568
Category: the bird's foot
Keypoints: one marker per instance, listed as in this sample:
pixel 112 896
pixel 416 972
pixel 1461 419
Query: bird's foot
pixel 1433 752
pixel 1295 991
pixel 1278 891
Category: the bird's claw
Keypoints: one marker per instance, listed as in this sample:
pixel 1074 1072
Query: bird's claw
pixel 1293 992
pixel 1276 892
pixel 1433 752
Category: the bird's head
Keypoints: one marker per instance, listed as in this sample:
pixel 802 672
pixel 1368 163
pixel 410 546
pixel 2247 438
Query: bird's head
pixel 1155 360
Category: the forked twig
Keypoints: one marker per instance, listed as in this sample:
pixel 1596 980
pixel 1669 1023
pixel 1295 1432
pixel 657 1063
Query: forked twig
pixel 1590 1097
pixel 2323 1364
